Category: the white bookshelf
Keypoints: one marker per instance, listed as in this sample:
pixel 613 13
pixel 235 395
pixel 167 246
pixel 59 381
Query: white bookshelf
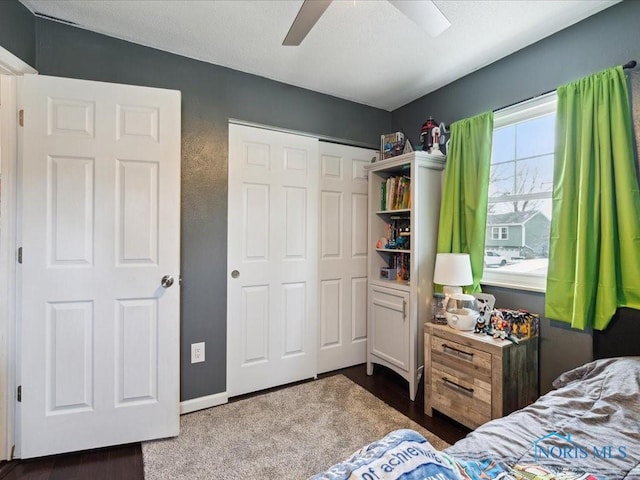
pixel 398 308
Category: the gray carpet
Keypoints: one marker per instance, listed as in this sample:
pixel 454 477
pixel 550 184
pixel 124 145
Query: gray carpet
pixel 287 434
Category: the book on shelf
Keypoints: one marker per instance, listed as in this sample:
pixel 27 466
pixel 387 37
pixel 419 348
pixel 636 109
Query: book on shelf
pixel 395 193
pixel 392 144
pixel 400 264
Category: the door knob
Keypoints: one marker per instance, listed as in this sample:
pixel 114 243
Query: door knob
pixel 166 281
pixel 235 274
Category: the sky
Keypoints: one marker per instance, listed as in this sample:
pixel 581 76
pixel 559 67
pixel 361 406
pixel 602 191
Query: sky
pixel 522 163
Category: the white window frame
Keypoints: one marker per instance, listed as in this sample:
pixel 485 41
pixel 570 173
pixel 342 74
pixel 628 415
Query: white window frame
pixel 527 110
pixel 497 233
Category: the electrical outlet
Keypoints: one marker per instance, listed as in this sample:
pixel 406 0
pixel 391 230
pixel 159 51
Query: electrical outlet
pixel 197 352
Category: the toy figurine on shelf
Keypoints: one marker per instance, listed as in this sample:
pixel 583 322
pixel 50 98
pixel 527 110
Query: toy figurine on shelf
pixel 426 134
pixel 481 325
pixel 486 302
pixel 435 135
pixel 500 327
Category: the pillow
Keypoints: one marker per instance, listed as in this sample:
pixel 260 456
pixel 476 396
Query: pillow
pixel 627 367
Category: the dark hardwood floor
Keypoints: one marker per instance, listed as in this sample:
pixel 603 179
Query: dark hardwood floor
pixel 124 462
pixel 394 391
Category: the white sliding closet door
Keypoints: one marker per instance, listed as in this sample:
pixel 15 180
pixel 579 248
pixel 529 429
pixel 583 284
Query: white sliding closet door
pixel 343 256
pixel 272 259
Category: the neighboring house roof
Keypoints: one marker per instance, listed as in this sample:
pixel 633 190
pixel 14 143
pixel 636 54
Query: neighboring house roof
pixel 511 218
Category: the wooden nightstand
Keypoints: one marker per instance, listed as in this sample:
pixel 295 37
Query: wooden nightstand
pixel 474 378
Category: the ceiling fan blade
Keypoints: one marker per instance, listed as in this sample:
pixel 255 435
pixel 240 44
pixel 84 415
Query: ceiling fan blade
pixel 425 14
pixel 310 12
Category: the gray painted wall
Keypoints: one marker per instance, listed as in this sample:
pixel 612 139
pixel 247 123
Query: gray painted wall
pixel 210 96
pixel 607 39
pixel 604 40
pixel 17 30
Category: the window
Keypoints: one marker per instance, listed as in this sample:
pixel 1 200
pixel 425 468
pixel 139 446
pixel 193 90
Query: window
pixel 499 233
pixel 520 189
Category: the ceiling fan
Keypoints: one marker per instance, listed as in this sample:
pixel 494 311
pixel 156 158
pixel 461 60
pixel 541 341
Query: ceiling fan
pixel 423 12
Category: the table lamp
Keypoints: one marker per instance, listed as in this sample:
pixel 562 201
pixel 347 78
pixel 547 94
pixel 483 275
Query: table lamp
pixel 452 271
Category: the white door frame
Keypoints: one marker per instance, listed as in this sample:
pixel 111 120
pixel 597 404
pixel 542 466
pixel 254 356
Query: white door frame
pixel 10 66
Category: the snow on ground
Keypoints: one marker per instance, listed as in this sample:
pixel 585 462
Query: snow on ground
pixel 535 266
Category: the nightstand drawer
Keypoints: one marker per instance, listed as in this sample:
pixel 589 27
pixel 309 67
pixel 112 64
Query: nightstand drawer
pixel 474 378
pixel 466 399
pixel 461 358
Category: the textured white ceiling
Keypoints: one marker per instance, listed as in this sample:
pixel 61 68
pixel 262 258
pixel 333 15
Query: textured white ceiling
pixel 365 51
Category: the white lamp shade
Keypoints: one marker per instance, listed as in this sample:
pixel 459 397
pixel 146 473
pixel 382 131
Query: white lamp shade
pixel 453 269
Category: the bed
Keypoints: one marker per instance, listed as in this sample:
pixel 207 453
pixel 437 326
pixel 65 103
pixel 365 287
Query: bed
pixel 590 422
pixel 588 427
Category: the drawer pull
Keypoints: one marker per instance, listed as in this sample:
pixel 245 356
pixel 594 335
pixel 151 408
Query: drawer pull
pixel 458 353
pixel 459 388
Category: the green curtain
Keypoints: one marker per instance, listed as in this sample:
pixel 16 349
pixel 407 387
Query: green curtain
pixel 463 211
pixel 594 247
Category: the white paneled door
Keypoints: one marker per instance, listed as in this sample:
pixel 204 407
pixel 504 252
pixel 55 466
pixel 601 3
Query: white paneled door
pixel 272 259
pixel 100 220
pixel 343 249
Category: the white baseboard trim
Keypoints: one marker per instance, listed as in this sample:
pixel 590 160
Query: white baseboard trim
pixel 201 403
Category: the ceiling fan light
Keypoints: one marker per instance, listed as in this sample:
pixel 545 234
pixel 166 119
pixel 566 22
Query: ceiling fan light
pixel 425 14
